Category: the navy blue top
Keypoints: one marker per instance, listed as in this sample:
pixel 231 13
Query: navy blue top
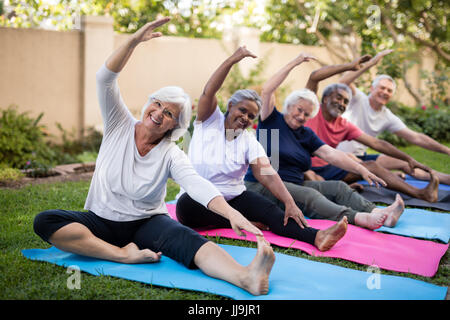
pixel 295 147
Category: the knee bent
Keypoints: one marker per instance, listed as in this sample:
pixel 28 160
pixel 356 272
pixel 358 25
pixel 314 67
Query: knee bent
pixel 42 223
pixel 41 220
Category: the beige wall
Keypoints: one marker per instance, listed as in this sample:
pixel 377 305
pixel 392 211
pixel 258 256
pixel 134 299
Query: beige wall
pixel 166 61
pixel 54 72
pixel 41 73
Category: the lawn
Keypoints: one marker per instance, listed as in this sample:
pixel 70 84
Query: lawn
pixel 25 279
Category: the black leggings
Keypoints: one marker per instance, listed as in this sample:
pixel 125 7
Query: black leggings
pixel 157 233
pixel 252 206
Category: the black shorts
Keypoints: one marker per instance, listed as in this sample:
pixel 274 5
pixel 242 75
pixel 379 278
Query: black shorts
pixel 159 233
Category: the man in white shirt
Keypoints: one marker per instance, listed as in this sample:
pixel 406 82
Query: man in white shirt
pixel 370 114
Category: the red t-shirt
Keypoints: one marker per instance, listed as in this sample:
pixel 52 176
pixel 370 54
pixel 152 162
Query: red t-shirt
pixel 331 132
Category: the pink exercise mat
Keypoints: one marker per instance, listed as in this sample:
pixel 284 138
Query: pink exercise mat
pixel 386 251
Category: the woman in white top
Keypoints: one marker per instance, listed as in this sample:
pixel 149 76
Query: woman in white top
pixel 221 150
pixel 127 220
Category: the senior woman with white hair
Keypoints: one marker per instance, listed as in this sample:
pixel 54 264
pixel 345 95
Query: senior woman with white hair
pixel 127 220
pixel 297 144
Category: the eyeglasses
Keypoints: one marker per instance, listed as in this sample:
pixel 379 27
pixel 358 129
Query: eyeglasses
pixel 166 112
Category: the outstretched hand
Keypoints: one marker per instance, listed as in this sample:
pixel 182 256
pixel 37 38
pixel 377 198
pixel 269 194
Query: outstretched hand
pixel 380 55
pixel 146 33
pixel 304 57
pixel 373 179
pixel 239 222
pixel 359 62
pixel 415 164
pixel 241 53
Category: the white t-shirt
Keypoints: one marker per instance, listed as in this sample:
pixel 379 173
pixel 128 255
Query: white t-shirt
pixel 372 122
pixel 223 162
pixel 127 186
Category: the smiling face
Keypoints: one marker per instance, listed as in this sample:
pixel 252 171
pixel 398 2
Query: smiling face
pixel 382 93
pixel 336 103
pixel 160 117
pixel 298 113
pixel 241 115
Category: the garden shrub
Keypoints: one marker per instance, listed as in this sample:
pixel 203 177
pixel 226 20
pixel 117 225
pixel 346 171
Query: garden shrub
pixel 25 145
pixel 22 139
pixel 10 174
pixel 73 145
pixel 432 121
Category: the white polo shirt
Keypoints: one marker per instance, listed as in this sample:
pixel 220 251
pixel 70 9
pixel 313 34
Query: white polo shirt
pixel 372 122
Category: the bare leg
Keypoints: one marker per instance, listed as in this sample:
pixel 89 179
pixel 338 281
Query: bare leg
pixel 77 238
pixel 254 278
pixel 210 258
pixel 327 238
pixel 396 164
pixel 429 193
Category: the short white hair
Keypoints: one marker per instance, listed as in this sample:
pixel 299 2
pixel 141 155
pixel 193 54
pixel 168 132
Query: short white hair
pixel 381 77
pixel 181 99
pixel 302 94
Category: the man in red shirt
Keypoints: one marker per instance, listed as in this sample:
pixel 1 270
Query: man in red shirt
pixel 332 129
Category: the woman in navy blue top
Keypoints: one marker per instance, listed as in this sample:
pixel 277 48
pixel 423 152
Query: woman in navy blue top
pixel 290 147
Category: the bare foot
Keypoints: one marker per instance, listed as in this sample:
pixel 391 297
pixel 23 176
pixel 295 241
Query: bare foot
pixel 256 281
pixel 430 193
pixel 372 221
pixel 394 211
pixel 132 254
pixel 327 238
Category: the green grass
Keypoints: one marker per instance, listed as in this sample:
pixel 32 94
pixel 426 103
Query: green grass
pixel 25 279
pixel 437 161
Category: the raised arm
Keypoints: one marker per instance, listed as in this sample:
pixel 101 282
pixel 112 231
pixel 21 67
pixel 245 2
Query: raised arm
pixel 351 76
pixel 422 140
pixel 275 81
pixel 118 59
pixel 208 101
pixel 329 71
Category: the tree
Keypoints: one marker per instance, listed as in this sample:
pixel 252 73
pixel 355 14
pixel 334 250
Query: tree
pixel 349 28
pixel 190 18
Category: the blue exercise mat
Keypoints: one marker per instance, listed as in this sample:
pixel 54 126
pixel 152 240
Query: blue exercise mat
pixel 422 184
pixel 416 183
pixel 292 278
pixel 423 224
